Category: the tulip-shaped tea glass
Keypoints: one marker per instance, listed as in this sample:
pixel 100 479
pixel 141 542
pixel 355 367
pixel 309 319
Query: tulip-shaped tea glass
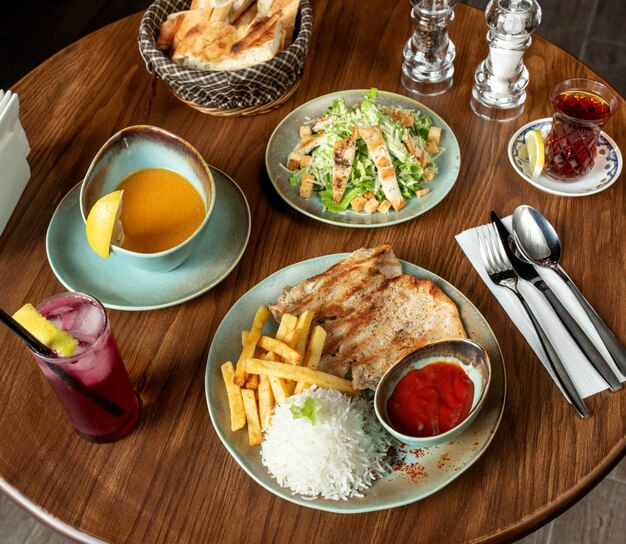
pixel 581 107
pixel 92 385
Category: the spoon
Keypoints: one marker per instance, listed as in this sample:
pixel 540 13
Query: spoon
pixel 539 243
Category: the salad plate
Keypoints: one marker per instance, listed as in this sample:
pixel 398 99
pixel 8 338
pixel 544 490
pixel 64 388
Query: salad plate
pixel 286 136
pixel 415 473
pixel 606 169
pixel 119 286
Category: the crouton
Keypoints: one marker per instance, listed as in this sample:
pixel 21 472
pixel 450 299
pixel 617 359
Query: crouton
pixel 294 160
pixel 358 203
pixel 429 174
pixel 384 206
pixel 370 206
pixel 306 186
pixel 305 132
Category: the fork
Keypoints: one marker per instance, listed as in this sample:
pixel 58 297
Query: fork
pixel 500 271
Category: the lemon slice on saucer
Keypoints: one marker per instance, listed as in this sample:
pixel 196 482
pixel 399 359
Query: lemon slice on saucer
pixel 45 331
pixel 536 152
pixel 103 223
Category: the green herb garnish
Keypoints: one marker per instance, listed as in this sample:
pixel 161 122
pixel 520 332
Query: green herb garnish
pixel 308 409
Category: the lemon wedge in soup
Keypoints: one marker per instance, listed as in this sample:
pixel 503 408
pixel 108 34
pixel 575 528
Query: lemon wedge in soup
pixel 103 224
pixel 45 331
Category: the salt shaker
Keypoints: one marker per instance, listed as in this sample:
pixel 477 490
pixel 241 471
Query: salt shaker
pixel 500 80
pixel 428 66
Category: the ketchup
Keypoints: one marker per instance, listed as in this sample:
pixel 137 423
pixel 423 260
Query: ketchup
pixel 430 400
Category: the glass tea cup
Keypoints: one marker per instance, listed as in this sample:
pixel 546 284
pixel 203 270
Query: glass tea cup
pixel 581 106
pixel 92 385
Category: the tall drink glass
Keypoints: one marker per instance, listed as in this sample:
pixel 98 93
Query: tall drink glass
pixel 92 385
pixel 581 107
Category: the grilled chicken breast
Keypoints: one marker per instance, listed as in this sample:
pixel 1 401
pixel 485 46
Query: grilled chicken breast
pixel 372 313
pixel 377 147
pixel 343 157
pixel 307 145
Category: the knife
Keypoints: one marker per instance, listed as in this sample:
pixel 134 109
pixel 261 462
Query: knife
pixel 527 272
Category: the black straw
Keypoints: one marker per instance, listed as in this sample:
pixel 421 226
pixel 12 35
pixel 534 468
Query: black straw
pixel 70 380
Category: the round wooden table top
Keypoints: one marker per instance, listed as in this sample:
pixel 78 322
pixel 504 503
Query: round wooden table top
pixel 172 480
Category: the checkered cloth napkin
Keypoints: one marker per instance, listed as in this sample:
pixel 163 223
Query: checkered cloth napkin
pixel 252 86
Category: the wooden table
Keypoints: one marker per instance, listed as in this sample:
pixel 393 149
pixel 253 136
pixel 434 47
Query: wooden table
pixel 172 480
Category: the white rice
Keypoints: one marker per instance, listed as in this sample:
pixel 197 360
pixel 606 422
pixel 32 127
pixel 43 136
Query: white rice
pixel 339 456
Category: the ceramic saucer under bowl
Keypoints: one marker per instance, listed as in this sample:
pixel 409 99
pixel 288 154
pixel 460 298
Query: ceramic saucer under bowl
pixel 605 171
pixel 122 287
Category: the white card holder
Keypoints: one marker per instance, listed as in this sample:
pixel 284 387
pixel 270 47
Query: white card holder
pixel 14 175
pixel 10 120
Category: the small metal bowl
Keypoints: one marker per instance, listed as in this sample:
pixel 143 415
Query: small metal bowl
pixel 472 358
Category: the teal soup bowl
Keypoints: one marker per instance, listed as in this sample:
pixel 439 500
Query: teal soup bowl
pixel 137 148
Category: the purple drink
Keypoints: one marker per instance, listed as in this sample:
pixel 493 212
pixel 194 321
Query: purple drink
pixel 92 385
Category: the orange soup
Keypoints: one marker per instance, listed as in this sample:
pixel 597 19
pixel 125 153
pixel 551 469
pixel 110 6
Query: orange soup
pixel 160 209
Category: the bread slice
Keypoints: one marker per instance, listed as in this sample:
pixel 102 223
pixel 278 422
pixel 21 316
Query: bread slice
pixel 173 30
pixel 288 11
pixel 204 44
pixel 179 24
pixel 239 6
pixel 202 4
pixel 260 44
pixel 168 30
pixel 246 17
pixel 221 10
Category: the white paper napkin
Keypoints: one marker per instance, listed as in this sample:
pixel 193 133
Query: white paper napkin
pixel 585 377
pixel 14 149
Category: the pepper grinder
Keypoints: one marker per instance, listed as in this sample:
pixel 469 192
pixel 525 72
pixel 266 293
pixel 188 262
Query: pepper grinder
pixel 500 80
pixel 427 68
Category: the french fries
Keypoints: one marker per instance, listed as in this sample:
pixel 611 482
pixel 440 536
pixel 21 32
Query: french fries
pixel 304 324
pixel 252 415
pixel 266 401
pixel 235 400
pixel 313 355
pixel 249 345
pixel 281 349
pixel 279 389
pixel 273 367
pixel 300 373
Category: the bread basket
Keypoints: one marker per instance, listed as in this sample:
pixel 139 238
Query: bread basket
pixel 250 91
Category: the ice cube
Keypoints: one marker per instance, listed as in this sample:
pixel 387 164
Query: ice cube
pixel 56 320
pixel 88 324
pixel 69 319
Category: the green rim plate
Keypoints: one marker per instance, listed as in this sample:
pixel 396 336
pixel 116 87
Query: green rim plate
pixel 286 136
pixel 436 466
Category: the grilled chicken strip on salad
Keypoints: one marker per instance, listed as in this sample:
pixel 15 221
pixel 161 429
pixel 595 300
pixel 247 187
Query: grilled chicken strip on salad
pixel 343 157
pixel 377 147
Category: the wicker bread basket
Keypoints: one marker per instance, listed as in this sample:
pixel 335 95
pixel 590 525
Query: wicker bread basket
pixel 251 91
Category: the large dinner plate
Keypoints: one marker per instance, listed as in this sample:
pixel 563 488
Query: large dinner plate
pixel 419 472
pixel 286 136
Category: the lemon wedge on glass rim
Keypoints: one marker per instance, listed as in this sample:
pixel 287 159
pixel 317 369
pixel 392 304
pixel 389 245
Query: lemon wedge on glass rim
pixel 45 331
pixel 103 223
pixel 536 152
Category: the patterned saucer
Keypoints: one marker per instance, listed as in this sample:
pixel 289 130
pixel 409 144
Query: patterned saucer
pixel 605 171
